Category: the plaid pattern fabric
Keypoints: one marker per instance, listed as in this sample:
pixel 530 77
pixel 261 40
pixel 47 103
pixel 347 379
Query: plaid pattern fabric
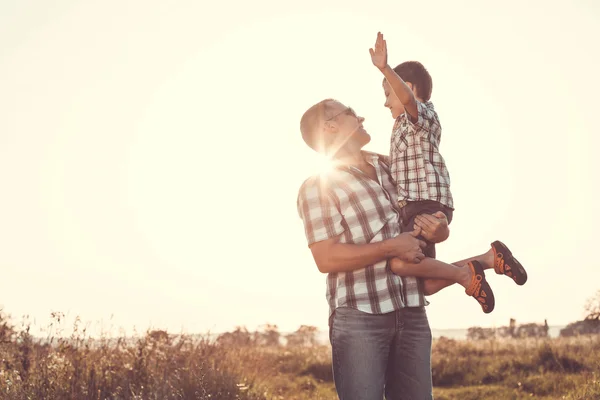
pixel 347 202
pixel 417 165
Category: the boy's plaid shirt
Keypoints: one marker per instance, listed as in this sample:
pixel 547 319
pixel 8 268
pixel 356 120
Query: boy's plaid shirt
pixel 347 202
pixel 416 163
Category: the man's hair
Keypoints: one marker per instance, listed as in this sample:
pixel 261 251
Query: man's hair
pixel 310 124
pixel 415 73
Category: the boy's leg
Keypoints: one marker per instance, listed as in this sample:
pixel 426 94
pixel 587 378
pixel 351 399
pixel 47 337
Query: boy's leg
pixel 439 273
pixel 471 276
pixel 360 348
pixel 434 285
pixel 499 258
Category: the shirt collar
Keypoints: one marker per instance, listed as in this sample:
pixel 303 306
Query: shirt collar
pixel 370 157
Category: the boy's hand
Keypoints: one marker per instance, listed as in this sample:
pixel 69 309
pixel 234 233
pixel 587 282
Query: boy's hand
pixel 379 54
pixel 434 227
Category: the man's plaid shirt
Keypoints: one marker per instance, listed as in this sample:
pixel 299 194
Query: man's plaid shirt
pixel 417 165
pixel 347 202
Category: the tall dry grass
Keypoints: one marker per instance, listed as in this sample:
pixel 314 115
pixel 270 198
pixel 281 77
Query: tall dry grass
pixel 161 366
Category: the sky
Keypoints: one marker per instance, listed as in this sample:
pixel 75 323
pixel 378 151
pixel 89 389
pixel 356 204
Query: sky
pixel 150 153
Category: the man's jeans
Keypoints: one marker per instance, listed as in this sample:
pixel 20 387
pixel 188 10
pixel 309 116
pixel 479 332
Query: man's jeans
pixel 375 354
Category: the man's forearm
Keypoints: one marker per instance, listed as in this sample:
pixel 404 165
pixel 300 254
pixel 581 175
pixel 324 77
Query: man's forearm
pixel 399 87
pixel 343 257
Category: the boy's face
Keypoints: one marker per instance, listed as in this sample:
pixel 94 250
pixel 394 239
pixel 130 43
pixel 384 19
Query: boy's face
pixel 392 101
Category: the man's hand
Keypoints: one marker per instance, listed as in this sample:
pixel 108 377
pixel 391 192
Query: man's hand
pixel 407 247
pixel 332 256
pixel 379 54
pixel 434 227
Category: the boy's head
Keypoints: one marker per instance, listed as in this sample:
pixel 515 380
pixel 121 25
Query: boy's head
pixel 329 126
pixel 416 77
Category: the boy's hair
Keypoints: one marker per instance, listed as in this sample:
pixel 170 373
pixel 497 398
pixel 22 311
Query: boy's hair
pixel 311 121
pixel 415 73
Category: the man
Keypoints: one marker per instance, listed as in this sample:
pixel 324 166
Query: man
pixel 378 327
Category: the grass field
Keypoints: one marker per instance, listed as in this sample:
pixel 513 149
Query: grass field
pixel 159 366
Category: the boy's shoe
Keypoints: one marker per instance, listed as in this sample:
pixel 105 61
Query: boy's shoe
pixel 480 289
pixel 506 264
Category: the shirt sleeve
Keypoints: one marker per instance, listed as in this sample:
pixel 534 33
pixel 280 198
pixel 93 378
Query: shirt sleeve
pixel 319 211
pixel 427 123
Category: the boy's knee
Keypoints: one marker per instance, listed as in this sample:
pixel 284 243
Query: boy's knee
pixel 428 288
pixel 398 266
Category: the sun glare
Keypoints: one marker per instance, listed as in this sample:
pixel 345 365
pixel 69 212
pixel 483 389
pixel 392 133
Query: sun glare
pixel 323 164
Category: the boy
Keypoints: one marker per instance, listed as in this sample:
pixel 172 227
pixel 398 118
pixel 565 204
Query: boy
pixel 418 168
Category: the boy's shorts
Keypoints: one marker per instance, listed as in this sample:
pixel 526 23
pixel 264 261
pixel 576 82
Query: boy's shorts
pixel 411 209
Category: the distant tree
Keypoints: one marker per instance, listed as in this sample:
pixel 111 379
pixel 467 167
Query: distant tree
pixel 585 327
pixel 508 331
pixel 268 335
pixel 158 336
pixel 592 307
pixel 511 331
pixel 590 324
pixel 306 335
pixel 478 333
pixel 239 337
pixel 532 330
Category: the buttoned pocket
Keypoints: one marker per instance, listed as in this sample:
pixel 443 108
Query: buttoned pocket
pixel 399 144
pixel 368 226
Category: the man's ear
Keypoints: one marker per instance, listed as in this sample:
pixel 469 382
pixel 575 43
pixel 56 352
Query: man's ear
pixel 330 126
pixel 330 129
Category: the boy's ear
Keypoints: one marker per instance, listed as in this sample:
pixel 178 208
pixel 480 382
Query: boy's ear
pixel 414 88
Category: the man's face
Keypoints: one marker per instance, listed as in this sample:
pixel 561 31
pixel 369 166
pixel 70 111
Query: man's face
pixel 392 101
pixel 347 127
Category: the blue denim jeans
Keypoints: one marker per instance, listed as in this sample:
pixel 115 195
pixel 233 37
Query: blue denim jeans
pixel 377 354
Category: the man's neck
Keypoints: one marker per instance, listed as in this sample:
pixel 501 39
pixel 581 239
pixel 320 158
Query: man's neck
pixel 355 158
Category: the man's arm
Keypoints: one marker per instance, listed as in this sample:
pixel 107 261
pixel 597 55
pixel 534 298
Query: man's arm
pixel 400 88
pixel 323 225
pixel 332 256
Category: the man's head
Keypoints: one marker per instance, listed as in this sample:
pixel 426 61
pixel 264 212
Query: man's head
pixel 329 126
pixel 416 77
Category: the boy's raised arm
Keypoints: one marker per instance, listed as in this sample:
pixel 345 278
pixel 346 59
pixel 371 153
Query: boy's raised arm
pixel 400 88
